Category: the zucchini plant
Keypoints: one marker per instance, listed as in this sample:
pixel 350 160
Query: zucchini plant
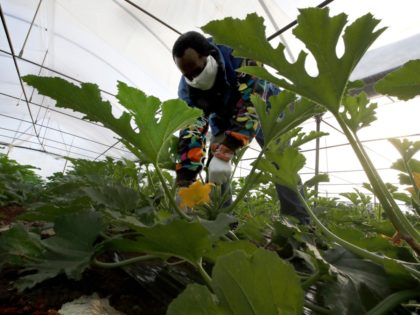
pixel 329 89
pixel 269 266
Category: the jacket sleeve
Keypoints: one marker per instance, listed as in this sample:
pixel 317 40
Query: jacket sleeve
pixel 244 122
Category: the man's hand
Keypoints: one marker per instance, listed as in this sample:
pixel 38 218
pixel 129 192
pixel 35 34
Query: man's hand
pixel 219 171
pixel 220 168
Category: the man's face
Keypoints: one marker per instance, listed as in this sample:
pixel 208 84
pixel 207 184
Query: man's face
pixel 191 64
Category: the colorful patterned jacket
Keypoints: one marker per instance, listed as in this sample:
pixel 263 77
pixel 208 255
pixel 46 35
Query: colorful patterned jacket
pixel 227 109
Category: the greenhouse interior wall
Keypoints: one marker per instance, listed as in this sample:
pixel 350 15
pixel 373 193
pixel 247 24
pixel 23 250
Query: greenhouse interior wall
pixel 109 41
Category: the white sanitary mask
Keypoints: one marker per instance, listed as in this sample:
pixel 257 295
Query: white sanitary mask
pixel 205 80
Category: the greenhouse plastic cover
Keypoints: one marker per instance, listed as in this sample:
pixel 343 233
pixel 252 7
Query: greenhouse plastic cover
pixel 103 41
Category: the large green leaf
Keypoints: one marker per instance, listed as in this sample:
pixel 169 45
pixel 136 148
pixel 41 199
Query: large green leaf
pixel 283 166
pixel 49 212
pixel 19 246
pixel 320 178
pixel 69 251
pixel 220 226
pixel 116 197
pixel 370 240
pixel 406 148
pixel 195 300
pixel 85 99
pixel 154 130
pixel 403 83
pixel 358 113
pixel 284 114
pixel 257 284
pixel 222 248
pixel 359 285
pixel 302 137
pixel 243 284
pixel 178 238
pixel 320 33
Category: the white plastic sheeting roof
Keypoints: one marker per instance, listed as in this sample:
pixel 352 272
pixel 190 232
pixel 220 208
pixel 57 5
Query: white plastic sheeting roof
pixel 103 41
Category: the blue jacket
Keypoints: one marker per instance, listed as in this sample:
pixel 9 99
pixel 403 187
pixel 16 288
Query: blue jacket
pixel 230 64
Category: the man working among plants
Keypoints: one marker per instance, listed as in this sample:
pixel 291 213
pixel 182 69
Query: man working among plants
pixel 210 82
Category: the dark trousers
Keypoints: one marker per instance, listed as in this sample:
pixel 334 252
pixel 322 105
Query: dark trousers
pixel 290 203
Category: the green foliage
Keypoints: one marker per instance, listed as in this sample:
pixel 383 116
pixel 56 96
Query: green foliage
pixel 241 285
pixel 155 131
pixel 68 251
pixel 196 300
pixel 410 171
pixel 19 246
pixel 254 228
pixel 222 248
pixel 320 178
pixel 358 112
pixel 284 114
pixel 18 183
pixel 178 238
pixel 320 33
pixel 130 207
pixel 359 284
pixel 357 198
pixel 406 148
pixel 220 226
pixel 283 166
pixel 361 225
pixel 107 184
pixel 403 83
pixel 156 121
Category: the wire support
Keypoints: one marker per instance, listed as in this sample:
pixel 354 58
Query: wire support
pixel 65 132
pixel 11 145
pixel 45 139
pixel 293 23
pixel 49 69
pixel 30 29
pixel 9 41
pixel 153 16
pixel 54 110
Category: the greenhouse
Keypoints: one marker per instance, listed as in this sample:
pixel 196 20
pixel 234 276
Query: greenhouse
pixel 209 157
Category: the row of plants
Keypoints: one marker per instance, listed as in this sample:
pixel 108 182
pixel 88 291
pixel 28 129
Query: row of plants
pixel 250 259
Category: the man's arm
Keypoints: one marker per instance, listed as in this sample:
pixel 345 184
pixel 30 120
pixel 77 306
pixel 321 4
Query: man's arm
pixel 244 122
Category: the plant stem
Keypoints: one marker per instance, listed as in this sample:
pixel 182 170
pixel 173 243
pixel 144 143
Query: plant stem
pixel 204 274
pixel 410 175
pixel 412 231
pixel 380 260
pixel 311 280
pixel 169 195
pixel 248 183
pixel 392 301
pixel 391 208
pixel 149 178
pixel 122 263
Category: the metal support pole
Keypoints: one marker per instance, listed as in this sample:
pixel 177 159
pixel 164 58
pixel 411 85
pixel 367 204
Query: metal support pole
pixel 30 28
pixel 9 40
pixel 318 129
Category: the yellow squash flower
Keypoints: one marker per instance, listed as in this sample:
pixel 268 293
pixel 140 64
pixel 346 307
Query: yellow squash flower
pixel 195 194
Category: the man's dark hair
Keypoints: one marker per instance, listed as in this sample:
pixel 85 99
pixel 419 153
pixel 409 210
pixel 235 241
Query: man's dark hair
pixel 192 40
